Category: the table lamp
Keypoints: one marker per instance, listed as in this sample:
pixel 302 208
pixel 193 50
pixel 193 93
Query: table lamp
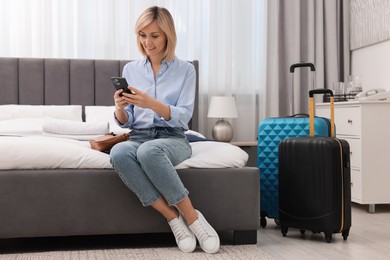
pixel 222 107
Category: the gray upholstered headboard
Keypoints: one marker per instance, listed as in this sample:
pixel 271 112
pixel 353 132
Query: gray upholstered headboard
pixel 39 81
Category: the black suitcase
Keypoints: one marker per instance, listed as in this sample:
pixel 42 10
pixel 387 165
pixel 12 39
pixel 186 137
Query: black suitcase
pixel 314 181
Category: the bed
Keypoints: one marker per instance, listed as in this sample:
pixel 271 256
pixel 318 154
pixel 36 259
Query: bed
pixel 56 186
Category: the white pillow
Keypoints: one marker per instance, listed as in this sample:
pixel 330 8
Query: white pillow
pixel 70 112
pixel 104 114
pixel 211 154
pixel 70 127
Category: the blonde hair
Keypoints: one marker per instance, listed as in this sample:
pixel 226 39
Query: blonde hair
pixel 164 20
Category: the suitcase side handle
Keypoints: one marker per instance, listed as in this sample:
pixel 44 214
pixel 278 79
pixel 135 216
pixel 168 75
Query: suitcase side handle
pixel 302 64
pixel 312 109
pixel 299 115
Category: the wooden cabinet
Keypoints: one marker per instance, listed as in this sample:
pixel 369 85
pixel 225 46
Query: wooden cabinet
pixel 366 127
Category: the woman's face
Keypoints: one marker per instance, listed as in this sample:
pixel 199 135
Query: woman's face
pixel 153 39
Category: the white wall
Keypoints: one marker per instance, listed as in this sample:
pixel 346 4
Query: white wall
pixel 372 64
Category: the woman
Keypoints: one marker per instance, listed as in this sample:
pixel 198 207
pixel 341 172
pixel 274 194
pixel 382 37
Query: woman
pixel 158 113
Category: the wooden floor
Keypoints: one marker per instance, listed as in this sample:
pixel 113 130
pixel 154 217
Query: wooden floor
pixel 369 238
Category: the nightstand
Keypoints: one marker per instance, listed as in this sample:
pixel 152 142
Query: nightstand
pixel 251 149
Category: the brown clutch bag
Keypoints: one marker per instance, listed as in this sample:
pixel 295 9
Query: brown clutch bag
pixel 106 142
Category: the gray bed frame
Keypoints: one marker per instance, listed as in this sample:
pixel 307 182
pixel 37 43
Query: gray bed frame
pixel 73 202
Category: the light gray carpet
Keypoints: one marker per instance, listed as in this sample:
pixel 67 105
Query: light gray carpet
pixel 226 252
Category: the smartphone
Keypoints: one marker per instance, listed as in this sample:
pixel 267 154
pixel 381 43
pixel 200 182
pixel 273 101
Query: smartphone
pixel 121 83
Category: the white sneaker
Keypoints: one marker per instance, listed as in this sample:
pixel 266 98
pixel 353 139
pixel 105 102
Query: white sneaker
pixel 185 239
pixel 206 235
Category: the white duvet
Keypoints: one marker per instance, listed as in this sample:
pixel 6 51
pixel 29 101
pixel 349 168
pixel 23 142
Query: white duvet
pixel 41 152
pixel 24 145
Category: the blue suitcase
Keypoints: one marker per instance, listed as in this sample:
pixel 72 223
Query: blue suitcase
pixel 270 132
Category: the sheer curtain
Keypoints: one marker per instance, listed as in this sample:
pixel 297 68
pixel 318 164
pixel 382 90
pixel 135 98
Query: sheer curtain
pixel 228 37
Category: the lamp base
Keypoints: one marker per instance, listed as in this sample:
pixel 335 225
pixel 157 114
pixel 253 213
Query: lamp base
pixel 222 131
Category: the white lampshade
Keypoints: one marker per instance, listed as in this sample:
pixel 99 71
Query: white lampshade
pixel 222 107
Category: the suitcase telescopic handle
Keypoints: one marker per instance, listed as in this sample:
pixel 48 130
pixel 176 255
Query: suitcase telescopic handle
pixel 302 64
pixel 292 69
pixel 312 109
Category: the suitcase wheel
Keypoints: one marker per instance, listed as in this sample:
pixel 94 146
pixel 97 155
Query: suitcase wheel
pixel 328 237
pixel 284 230
pixel 345 234
pixel 263 222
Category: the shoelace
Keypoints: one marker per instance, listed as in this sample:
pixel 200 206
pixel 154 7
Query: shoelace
pixel 179 231
pixel 201 231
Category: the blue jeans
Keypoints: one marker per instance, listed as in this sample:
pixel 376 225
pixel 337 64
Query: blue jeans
pixel 146 163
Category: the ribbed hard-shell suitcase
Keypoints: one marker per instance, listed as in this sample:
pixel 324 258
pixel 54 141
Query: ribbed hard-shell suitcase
pixel 314 181
pixel 270 132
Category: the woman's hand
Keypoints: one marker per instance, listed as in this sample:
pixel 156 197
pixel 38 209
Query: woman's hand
pixel 120 102
pixel 138 98
pixel 142 99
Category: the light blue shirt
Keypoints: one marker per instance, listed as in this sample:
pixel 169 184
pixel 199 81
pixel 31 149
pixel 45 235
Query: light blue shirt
pixel 174 85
